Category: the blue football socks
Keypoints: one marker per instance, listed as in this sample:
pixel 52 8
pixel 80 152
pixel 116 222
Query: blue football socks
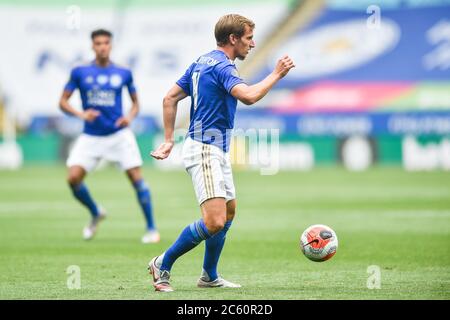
pixel 189 238
pixel 213 249
pixel 143 195
pixel 81 192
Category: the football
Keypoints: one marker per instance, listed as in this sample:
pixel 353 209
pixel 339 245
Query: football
pixel 319 243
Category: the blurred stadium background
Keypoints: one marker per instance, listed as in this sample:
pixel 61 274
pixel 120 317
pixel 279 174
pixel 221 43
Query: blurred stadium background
pixel 370 93
pixel 371 86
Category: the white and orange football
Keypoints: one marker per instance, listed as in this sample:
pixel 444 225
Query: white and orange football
pixel 319 243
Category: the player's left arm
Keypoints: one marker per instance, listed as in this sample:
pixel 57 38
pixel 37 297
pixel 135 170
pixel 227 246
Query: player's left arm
pixel 126 120
pixel 252 94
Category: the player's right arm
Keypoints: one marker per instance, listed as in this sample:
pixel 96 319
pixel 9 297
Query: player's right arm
pixel 87 115
pixel 170 104
pixel 252 94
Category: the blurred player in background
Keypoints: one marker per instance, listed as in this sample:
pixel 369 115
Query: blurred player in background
pixel 106 133
pixel 214 85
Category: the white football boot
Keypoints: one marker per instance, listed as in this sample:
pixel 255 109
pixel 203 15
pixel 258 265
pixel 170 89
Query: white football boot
pixel 90 230
pixel 161 279
pixel 151 236
pixel 205 282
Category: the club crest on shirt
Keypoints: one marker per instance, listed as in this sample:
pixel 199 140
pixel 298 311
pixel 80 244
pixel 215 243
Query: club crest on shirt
pixel 115 80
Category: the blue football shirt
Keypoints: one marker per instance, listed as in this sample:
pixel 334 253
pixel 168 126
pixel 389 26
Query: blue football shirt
pixel 101 89
pixel 209 81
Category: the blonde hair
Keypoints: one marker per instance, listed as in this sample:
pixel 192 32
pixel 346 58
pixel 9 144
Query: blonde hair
pixel 231 24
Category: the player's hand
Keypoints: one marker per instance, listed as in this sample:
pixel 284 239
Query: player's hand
pixel 90 115
pixel 163 151
pixel 123 122
pixel 283 66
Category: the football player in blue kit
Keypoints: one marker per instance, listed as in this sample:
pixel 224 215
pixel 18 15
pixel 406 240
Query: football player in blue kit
pixel 214 85
pixel 106 133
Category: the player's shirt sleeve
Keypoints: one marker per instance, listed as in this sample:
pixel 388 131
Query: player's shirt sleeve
pixel 185 81
pixel 228 76
pixel 73 82
pixel 130 83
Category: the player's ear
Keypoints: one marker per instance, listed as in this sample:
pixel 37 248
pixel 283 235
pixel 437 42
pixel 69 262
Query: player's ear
pixel 232 39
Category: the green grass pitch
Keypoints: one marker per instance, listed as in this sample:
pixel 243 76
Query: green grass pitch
pixel 386 217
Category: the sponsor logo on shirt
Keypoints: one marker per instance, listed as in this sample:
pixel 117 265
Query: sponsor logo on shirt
pixel 101 98
pixel 207 60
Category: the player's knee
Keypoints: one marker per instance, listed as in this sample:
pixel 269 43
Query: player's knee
pixel 214 214
pixel 135 175
pixel 74 179
pixel 215 225
pixel 231 210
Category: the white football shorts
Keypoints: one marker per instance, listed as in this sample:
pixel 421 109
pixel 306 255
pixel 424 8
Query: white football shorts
pixel 210 170
pixel 120 147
